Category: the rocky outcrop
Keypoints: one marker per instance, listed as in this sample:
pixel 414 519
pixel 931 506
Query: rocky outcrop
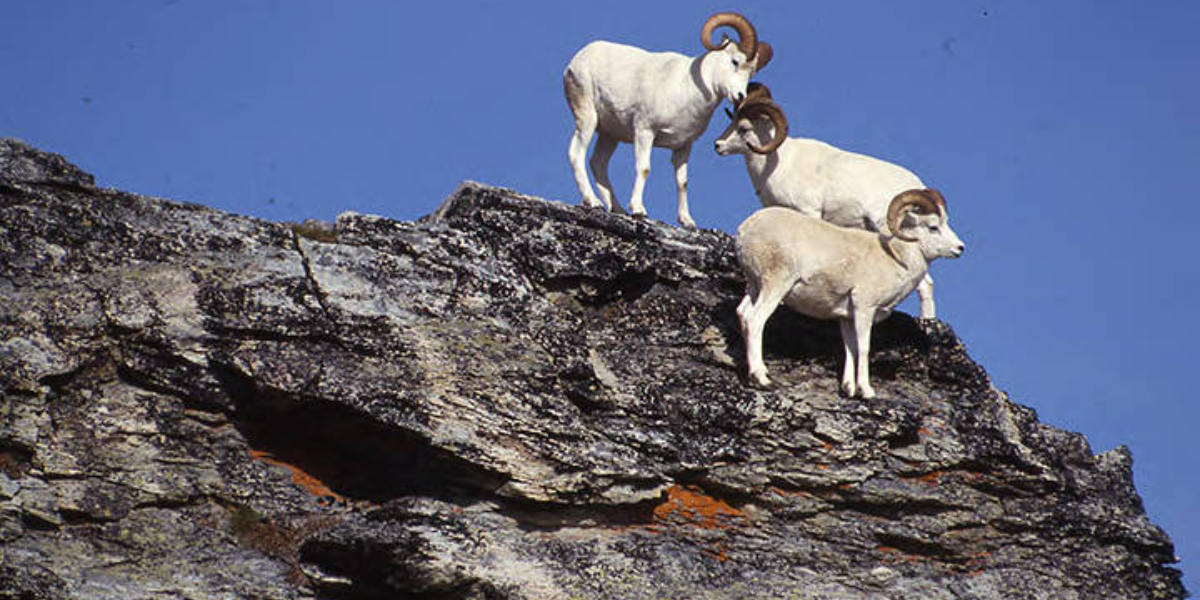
pixel 509 399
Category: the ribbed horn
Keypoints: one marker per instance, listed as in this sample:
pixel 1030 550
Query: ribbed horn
pixel 767 107
pixel 941 201
pixel 921 199
pixel 747 37
pixel 763 55
pixel 756 91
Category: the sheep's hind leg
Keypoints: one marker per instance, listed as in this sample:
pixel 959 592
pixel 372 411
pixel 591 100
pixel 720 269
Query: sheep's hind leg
pixel 585 126
pixel 753 314
pixel 599 164
pixel 850 345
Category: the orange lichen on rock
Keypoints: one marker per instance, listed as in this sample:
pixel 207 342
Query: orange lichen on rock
pixel 782 492
pixel 302 479
pixel 718 552
pixel 690 506
pixel 931 478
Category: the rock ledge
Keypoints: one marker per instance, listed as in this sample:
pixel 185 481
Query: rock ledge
pixel 509 399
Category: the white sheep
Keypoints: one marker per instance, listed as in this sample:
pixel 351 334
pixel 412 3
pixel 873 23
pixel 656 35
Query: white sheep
pixel 664 99
pixel 813 177
pixel 831 272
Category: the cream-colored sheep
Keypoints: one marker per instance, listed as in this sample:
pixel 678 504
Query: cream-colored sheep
pixel 831 272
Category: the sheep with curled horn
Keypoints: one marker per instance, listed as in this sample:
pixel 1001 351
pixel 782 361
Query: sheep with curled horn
pixel 626 94
pixel 829 272
pixel 813 177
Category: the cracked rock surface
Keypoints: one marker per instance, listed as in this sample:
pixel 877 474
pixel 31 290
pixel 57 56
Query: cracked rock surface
pixel 509 399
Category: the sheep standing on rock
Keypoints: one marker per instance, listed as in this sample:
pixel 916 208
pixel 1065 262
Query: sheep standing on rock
pixel 813 177
pixel 664 99
pixel 830 272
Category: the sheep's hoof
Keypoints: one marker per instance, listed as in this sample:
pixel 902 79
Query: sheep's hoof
pixel 867 393
pixel 616 208
pixel 760 381
pixel 687 224
pixel 592 203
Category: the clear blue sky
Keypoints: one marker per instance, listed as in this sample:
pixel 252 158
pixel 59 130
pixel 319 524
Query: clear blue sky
pixel 1063 133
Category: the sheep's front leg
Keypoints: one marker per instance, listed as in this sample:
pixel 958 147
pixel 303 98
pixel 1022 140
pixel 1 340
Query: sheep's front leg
pixel 849 344
pixel 680 160
pixel 925 292
pixel 643 140
pixel 862 330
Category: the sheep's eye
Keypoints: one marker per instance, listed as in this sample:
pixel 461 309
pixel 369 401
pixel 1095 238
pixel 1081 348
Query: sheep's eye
pixel 736 63
pixel 935 229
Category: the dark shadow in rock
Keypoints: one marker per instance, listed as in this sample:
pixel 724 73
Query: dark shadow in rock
pixel 346 452
pixel 626 286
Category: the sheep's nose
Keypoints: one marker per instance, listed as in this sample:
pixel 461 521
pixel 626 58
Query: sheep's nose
pixel 738 97
pixel 958 250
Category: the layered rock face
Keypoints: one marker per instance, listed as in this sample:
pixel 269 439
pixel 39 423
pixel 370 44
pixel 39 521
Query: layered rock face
pixel 509 399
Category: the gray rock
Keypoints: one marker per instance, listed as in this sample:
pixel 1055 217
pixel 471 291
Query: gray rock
pixel 511 398
pixel 19 162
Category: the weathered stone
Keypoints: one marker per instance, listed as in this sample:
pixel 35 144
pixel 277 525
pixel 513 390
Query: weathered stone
pixel 19 162
pixel 511 398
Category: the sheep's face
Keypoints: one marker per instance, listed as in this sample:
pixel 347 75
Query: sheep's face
pixel 933 235
pixel 731 72
pixel 744 132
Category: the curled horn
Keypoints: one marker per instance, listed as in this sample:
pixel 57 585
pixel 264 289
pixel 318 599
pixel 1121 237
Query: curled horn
pixel 766 106
pixel 923 200
pixel 941 202
pixel 756 91
pixel 747 37
pixel 763 55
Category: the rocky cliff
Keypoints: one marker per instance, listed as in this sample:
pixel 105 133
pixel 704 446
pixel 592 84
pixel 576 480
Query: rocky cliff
pixel 509 399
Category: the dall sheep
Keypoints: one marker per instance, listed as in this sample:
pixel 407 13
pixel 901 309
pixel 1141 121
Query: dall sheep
pixel 664 99
pixel 813 177
pixel 829 272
